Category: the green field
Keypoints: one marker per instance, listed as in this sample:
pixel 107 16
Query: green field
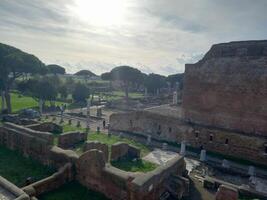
pixel 19 102
pixel 72 191
pixel 16 168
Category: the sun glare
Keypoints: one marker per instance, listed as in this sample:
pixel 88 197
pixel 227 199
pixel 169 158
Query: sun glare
pixel 100 12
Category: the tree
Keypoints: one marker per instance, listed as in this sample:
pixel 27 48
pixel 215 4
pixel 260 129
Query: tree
pixel 13 63
pixel 87 73
pixel 80 93
pixel 40 89
pixel 154 82
pixel 55 69
pixel 127 75
pixel 174 79
pixel 63 91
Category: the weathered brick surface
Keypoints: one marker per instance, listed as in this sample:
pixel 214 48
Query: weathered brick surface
pixel 228 88
pixel 122 150
pixel 30 143
pixel 89 145
pixel 67 140
pixel 226 192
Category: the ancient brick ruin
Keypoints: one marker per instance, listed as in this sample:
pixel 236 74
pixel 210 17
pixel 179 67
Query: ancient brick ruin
pixel 91 168
pixel 223 109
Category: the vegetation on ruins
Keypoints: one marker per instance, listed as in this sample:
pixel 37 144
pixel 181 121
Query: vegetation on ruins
pixel 72 191
pixel 16 168
pixel 110 140
pixel 134 165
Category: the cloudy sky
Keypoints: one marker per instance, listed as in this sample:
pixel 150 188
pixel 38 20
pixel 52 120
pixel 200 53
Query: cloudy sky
pixel 157 36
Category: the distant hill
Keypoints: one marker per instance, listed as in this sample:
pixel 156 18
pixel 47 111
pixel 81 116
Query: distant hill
pixel 85 73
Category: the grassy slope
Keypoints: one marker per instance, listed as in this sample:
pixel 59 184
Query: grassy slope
pixel 73 191
pixel 16 168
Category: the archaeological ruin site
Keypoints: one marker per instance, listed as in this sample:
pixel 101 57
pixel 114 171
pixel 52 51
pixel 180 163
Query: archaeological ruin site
pixel 205 140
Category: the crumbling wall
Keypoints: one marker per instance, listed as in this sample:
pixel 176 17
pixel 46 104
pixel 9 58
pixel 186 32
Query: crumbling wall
pixel 65 174
pixel 121 150
pixel 30 143
pixel 47 127
pixel 146 123
pixel 11 191
pixel 69 139
pixel 228 88
pixel 89 145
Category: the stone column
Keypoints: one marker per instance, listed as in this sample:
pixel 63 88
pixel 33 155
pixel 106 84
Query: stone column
pixel 225 164
pixel 88 115
pixel 145 92
pixel 203 155
pixel 148 141
pixel 3 100
pixel 41 106
pixel 251 170
pixel 183 148
pixel 175 98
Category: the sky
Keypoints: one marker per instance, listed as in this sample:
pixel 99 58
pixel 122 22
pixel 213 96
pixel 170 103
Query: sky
pixel 157 36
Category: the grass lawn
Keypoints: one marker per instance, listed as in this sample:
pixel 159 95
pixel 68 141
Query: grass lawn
pixel 16 168
pixel 68 128
pixel 72 191
pixel 134 166
pixel 104 138
pixel 19 102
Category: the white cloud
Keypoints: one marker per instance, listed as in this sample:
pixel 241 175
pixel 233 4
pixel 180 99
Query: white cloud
pixel 154 35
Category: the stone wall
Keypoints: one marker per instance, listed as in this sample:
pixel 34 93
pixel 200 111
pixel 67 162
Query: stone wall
pixel 228 88
pixel 94 173
pixel 69 139
pixel 30 143
pixel 121 150
pixel 47 127
pixel 89 145
pixel 147 123
pixel 235 144
pixel 152 184
pixel 10 191
pixel 65 174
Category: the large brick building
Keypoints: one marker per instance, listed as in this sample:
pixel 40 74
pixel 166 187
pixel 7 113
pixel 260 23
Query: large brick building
pixel 224 107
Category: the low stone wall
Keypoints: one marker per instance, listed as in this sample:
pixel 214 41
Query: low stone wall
pixel 30 143
pixel 226 142
pixel 122 150
pixel 89 145
pixel 69 139
pixel 65 174
pixel 9 191
pixel 47 127
pixel 152 184
pixel 59 157
pixel 44 135
pixel 94 173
